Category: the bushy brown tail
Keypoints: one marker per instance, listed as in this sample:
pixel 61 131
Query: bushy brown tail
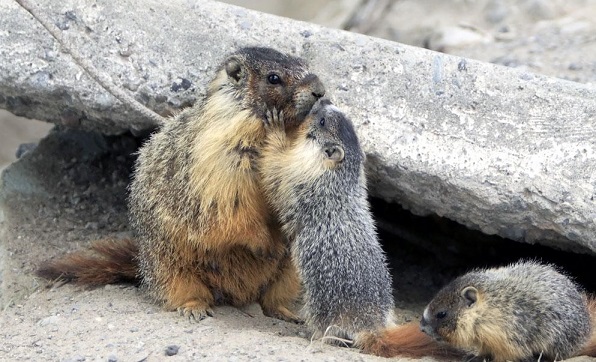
pixel 590 348
pixel 406 341
pixel 107 261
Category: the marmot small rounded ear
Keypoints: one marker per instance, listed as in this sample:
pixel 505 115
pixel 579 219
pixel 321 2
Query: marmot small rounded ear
pixel 334 153
pixel 234 69
pixel 470 295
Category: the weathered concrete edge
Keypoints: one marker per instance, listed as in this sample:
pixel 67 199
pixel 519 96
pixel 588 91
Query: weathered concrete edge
pixel 503 151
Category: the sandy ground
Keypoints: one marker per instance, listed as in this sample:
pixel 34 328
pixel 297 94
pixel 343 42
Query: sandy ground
pixel 64 204
pixel 119 324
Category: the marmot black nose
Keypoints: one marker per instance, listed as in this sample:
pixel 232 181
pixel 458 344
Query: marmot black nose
pixel 318 90
pixel 316 86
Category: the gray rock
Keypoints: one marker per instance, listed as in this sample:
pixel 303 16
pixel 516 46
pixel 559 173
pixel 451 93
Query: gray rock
pixel 24 148
pixel 500 150
pixel 49 320
pixel 172 350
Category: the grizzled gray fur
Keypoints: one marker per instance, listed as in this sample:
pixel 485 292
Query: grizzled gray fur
pixel 344 270
pixel 517 312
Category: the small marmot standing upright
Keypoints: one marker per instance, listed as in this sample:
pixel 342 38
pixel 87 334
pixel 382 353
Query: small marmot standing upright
pixel 317 186
pixel 522 312
pixel 314 179
pixel 205 234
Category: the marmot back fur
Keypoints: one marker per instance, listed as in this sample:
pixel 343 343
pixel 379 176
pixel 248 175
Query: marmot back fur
pixel 518 312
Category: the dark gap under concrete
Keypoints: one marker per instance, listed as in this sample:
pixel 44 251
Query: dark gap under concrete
pixel 428 252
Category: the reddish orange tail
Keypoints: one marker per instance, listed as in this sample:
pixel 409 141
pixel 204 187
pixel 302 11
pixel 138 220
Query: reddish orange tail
pixel 590 348
pixel 406 341
pixel 107 261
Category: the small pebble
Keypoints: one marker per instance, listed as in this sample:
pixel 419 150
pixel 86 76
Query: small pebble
pixel 575 66
pixel 24 148
pixel 172 350
pixel 92 225
pixel 306 33
pixel 49 320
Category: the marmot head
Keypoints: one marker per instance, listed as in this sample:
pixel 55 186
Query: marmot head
pixel 263 78
pixel 451 314
pixel 333 133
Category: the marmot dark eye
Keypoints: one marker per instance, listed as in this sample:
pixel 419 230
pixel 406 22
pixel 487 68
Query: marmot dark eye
pixel 322 122
pixel 273 79
pixel 441 315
